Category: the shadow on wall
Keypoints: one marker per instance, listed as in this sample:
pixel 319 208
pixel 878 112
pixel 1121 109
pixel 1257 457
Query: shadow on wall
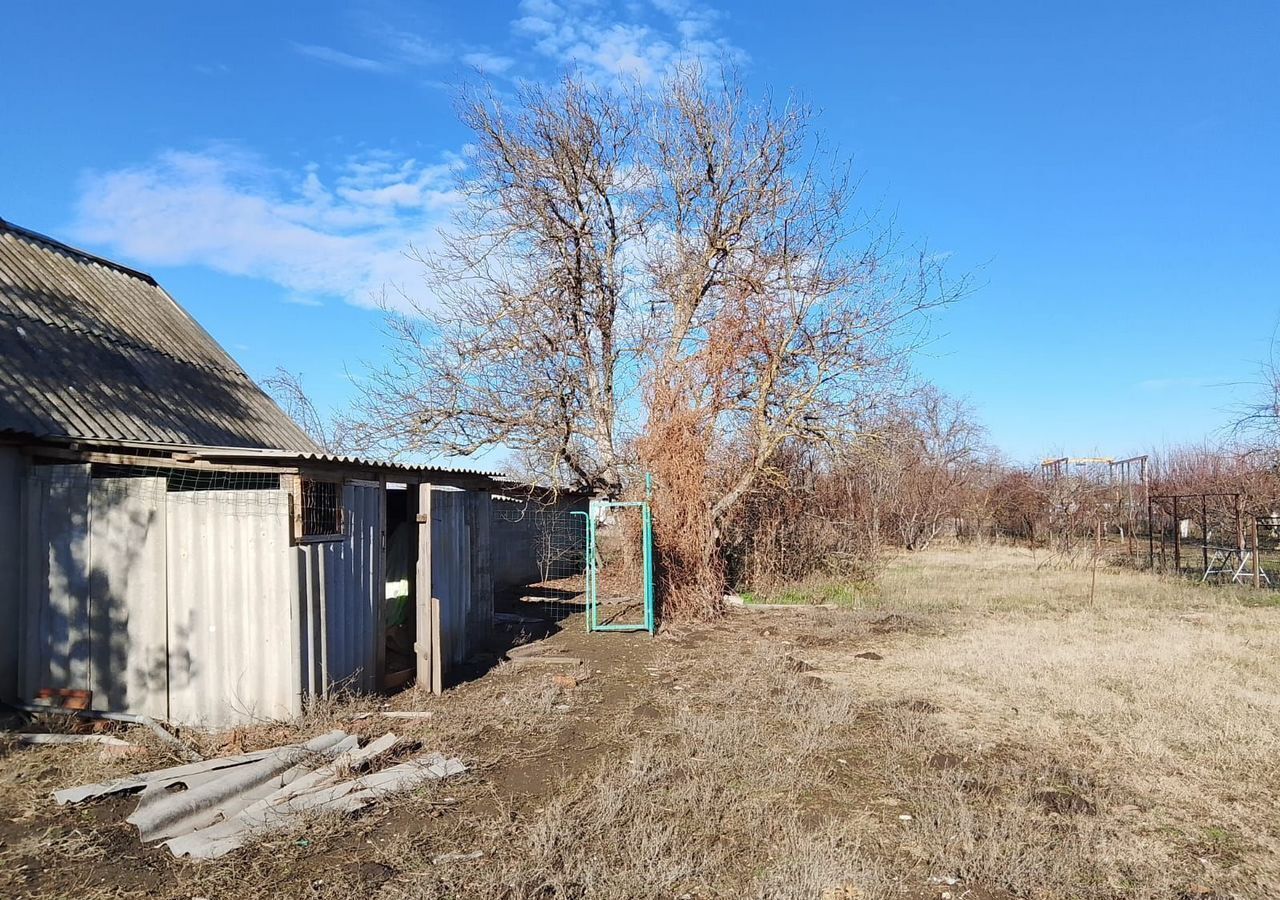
pixel 95 600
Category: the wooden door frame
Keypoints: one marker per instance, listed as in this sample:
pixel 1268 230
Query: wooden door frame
pixel 426 645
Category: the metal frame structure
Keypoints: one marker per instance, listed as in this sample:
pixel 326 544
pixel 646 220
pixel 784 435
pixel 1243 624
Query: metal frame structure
pixel 1221 555
pixel 1254 560
pixel 1113 489
pixel 1117 469
pixel 593 564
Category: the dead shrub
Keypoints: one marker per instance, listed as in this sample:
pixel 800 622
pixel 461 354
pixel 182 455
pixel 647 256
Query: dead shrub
pixel 808 521
pixel 677 451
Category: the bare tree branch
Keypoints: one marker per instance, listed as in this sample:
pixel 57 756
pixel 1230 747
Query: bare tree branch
pixel 329 432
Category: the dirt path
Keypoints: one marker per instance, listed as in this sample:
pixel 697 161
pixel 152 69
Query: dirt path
pixel 538 738
pixel 524 729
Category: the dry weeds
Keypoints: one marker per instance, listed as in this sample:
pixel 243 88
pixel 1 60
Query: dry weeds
pixel 1124 748
pixel 978 728
pixel 715 798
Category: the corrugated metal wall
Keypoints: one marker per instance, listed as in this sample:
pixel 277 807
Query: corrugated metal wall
pixel 12 470
pixel 451 573
pixel 461 579
pixel 480 515
pixel 194 604
pixel 174 605
pixel 128 639
pixel 233 618
pixel 55 620
pixel 341 586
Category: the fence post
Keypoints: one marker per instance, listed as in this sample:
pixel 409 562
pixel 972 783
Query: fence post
pixel 1097 551
pixel 1151 539
pixel 1204 529
pixel 1177 538
pixel 1257 567
pixel 1239 527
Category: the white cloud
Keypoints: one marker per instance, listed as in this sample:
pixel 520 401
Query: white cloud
pixel 300 300
pixel 341 232
pixel 394 49
pixel 338 234
pixel 489 63
pixel 638 41
pixel 340 58
pixel 407 47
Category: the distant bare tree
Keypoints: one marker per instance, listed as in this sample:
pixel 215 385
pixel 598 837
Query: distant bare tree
pixel 330 433
pixel 811 515
pixel 1210 468
pixel 833 507
pixel 1256 428
pixel 976 509
pixel 920 461
pixel 1020 505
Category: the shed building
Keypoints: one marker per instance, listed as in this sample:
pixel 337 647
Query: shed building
pixel 174 544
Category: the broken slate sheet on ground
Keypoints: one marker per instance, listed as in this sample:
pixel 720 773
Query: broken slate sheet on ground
pixel 207 809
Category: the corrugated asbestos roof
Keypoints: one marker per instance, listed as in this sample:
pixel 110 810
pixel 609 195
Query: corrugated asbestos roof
pixel 212 453
pixel 149 453
pixel 91 349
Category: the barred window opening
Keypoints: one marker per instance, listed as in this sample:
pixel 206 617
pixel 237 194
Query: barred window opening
pixel 321 512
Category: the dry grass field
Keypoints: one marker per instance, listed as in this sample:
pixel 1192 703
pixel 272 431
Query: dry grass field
pixel 975 726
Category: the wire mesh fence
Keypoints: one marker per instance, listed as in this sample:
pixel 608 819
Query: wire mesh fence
pixel 540 562
pixel 559 562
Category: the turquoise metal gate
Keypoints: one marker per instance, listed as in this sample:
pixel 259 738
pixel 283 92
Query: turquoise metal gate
pixel 623 611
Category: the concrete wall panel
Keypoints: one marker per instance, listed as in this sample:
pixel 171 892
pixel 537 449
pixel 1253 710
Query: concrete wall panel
pixel 128 643
pixel 55 609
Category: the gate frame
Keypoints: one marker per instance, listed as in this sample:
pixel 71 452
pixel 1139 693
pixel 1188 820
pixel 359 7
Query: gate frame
pixel 593 563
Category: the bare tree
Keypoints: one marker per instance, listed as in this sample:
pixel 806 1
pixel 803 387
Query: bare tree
pixel 1210 469
pixel 938 446
pixel 833 508
pixel 1020 505
pixel 784 313
pixel 1256 428
pixel 918 460
pixel 678 279
pixel 526 340
pixel 810 515
pixel 330 433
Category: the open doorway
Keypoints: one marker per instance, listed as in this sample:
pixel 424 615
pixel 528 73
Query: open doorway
pixel 401 586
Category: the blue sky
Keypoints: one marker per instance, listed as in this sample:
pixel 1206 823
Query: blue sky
pixel 1110 172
